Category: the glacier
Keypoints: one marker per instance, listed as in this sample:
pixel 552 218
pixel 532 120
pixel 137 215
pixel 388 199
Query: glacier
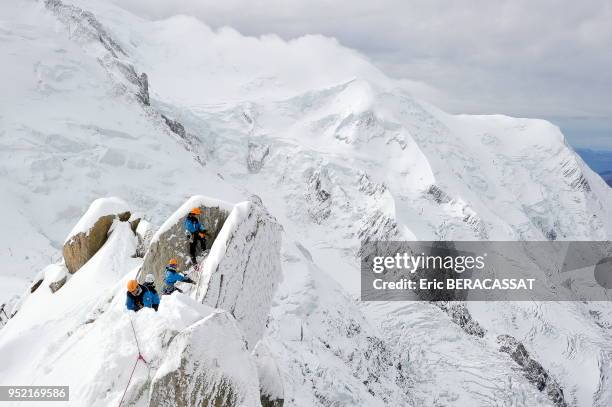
pixel 99 102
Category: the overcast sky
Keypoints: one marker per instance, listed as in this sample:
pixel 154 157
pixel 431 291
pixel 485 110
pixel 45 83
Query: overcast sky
pixel 546 58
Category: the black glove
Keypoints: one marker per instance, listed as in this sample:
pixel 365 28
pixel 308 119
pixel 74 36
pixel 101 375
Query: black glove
pixel 188 280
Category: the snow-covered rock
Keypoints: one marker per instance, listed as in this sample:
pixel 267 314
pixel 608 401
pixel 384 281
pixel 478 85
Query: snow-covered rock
pixel 144 231
pixel 207 364
pixel 243 269
pixel 170 240
pixel 191 353
pixel 57 278
pixel 533 371
pixel 325 116
pixel 90 233
pixel 270 380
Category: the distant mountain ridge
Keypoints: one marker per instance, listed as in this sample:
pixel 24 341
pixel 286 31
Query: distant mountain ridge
pixel 339 154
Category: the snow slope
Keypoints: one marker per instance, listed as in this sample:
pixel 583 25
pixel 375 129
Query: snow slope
pixel 339 154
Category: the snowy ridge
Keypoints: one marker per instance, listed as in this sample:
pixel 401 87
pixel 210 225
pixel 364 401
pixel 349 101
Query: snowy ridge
pixel 98 208
pixel 243 269
pixel 185 342
pixel 339 154
pixel 212 359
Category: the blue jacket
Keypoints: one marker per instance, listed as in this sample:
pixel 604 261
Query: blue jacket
pixel 146 298
pixel 193 225
pixel 172 276
pixel 132 302
pixel 150 297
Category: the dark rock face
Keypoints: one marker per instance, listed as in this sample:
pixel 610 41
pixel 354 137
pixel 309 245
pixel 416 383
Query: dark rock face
pixel 144 233
pixel 369 187
pixel 134 224
pixel 82 247
pixel 256 156
pixel 532 370
pixel 175 126
pixel 375 226
pixel 143 87
pixel 462 317
pixel 35 285
pixel 574 176
pixel 141 82
pixel 438 194
pixel 319 196
pixel 175 244
pixel 85 27
pixel 266 401
pixel 56 285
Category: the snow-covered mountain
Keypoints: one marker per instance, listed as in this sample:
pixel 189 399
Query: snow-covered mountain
pixel 98 102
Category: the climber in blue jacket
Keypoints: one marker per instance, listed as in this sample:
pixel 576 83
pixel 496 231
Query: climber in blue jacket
pixel 140 296
pixel 173 277
pixel 150 296
pixel 196 232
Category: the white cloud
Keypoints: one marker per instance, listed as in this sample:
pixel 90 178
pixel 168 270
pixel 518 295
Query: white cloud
pixel 543 59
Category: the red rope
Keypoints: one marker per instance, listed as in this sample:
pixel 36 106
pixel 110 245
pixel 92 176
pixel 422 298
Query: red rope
pixel 140 357
pixel 129 380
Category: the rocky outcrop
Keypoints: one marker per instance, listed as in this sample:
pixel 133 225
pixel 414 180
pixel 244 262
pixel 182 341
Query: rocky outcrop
pixel 438 195
pixel 318 195
pixel 82 246
pixel 256 156
pixel 170 241
pixel 85 28
pixel 532 370
pixel 57 279
pixel 243 269
pixel 461 316
pixel 369 187
pixel 144 232
pixel 175 126
pixel 208 365
pixel 91 232
pixel 270 381
pixel 34 286
pixel 141 82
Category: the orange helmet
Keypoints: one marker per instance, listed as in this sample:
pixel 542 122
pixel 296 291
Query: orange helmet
pixel 196 211
pixel 132 285
pixel 172 262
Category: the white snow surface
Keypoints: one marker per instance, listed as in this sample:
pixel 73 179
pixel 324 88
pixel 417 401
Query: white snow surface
pixel 214 347
pixel 270 379
pixel 82 335
pixel 98 208
pixel 243 269
pixel 352 155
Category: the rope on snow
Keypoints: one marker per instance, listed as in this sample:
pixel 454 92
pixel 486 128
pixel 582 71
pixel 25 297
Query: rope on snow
pixel 140 357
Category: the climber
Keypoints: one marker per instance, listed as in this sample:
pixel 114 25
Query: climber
pixel 150 293
pixel 173 276
pixel 196 232
pixel 142 295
